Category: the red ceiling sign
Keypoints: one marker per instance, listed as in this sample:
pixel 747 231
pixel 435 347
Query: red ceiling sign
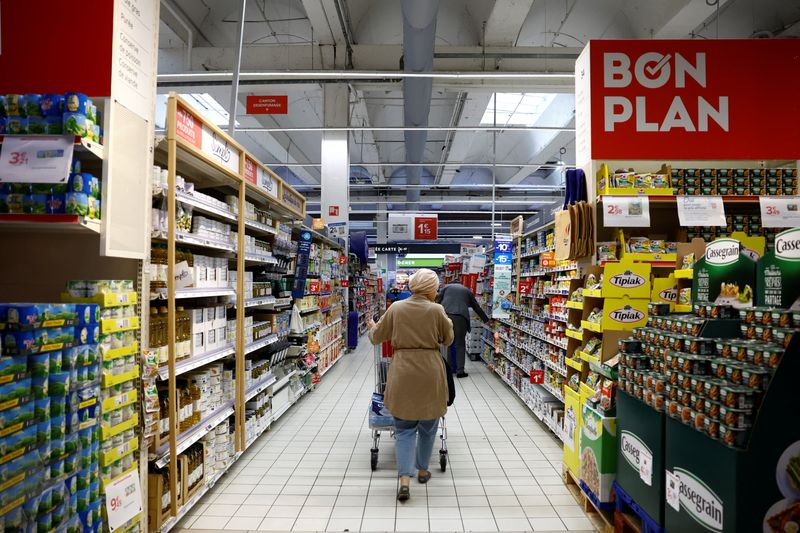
pixel 426 228
pixel 250 172
pixel 690 99
pixel 268 105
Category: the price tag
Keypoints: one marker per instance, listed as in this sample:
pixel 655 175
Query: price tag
pixel 626 211
pixel 36 159
pixel 344 283
pixel 426 228
pixel 121 399
pixel 548 260
pixel 537 377
pixel 704 211
pixel 123 499
pixel 673 492
pixel 780 211
pixel 525 286
pixel 313 287
pixel 342 259
pixel 646 468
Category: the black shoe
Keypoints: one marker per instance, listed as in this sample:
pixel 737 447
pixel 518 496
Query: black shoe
pixel 462 375
pixel 404 493
pixel 424 478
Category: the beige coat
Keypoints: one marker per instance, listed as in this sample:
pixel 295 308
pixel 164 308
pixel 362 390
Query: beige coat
pixel 416 387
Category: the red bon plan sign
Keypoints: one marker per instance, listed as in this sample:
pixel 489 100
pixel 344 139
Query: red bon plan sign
pixel 426 228
pixel 267 105
pixel 689 99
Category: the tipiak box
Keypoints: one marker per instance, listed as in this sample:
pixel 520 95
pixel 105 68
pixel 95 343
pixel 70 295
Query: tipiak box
pixel 665 290
pixel 724 275
pixel 624 313
pixel 626 278
pixel 779 271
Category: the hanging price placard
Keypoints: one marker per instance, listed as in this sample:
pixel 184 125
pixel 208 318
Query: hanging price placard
pixel 344 283
pixel 780 211
pixel 537 377
pixel 525 286
pixel 548 260
pixel 123 499
pixel 426 228
pixel 313 287
pixel 673 492
pixel 706 211
pixel 626 211
pixel 36 159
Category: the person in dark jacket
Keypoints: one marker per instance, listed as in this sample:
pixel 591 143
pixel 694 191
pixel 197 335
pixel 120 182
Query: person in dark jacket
pixel 457 301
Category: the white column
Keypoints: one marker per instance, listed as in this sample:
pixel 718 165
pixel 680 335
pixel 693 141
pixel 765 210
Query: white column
pixel 335 160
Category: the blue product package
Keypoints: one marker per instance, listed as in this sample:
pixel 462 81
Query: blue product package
pixel 87 334
pixel 72 463
pixel 71 483
pixel 92 353
pixel 88 313
pixel 40 387
pixel 17 418
pixel 45 452
pixel 14 393
pixel 96 133
pixel 59 515
pixel 55 361
pixel 34 316
pixel 94 490
pixel 93 111
pixel 94 186
pixel 69 358
pixel 16 125
pixel 57 469
pixel 52 105
pixel 83 479
pixel 73 502
pixel 58 427
pixel 2 124
pixel 71 444
pixel 75 168
pixel 56 204
pixel 54 125
pixel 33 105
pixel 37 125
pixel 59 384
pixel 15 104
pixel 42 408
pixel 85 437
pixel 13 368
pixel 83 500
pixel 56 448
pixel 75 103
pixel 74 124
pixel 86 457
pixel 43 431
pixel 80 182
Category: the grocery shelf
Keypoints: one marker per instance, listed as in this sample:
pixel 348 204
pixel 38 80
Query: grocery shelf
pixel 283 302
pixel 203 292
pixel 574 363
pixel 683 308
pixel 592 326
pixel 563 346
pixel 202 207
pixel 558 395
pixel 193 434
pixel 278 384
pixel 186 365
pixel 549 364
pixel 260 301
pixel 53 223
pixel 330 366
pixel 327 326
pixel 672 199
pixel 195 240
pixel 654 263
pixel 592 293
pixel 578 335
pixel 82 145
pixel 574 305
pixel 260 259
pixel 260 386
pixel 260 227
pixel 685 273
pixel 261 343
pixel 309 310
pixel 537 414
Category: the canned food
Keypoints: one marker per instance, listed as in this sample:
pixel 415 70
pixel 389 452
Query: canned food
pixel 736 438
pixel 693 327
pixel 685 381
pixel 699 419
pixel 724 347
pixel 733 372
pixel 712 408
pixel 711 427
pixel 736 418
pixel 713 388
pixel 685 398
pixel 658 308
pixel 737 396
pixel 672 392
pixel 648 397
pixel 772 356
pixel 717 367
pixel 659 384
pixel 673 408
pixel 748 331
pixel 698 402
pixel 676 342
pixel 699 385
pixel 700 346
pixel 693 364
pixel 686 414
pixel 630 345
pixel 756 378
pixel 658 402
pixel 700 309
pixel 783 336
pixel 763 333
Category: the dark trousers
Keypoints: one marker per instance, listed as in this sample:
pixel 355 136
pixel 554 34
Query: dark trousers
pixel 460 329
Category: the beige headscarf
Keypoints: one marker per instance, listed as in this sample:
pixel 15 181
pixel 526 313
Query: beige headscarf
pixel 425 282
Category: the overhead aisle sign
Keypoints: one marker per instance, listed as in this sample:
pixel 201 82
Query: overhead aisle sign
pixel 501 295
pixel 416 227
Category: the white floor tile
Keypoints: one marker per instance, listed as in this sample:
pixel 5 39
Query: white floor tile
pixel 243 523
pixel 310 524
pixel 344 524
pixel 508 512
pixel 446 524
pixel 221 509
pixel 512 524
pixel 284 511
pixel 349 512
pixel 211 523
pixel 577 523
pixel 276 524
pixel 479 524
pixel 259 511
pixel 231 498
pixel 411 524
pixel 476 512
pixel 377 524
pixel 547 524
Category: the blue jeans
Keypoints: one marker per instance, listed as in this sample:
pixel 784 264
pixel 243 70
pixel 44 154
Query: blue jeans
pixel 414 444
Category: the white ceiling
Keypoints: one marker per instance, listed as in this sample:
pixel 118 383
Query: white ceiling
pixel 312 34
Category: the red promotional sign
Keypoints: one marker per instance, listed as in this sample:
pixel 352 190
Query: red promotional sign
pixel 380 285
pixel 333 211
pixel 250 171
pixel 426 228
pixel 268 105
pixel 548 260
pixel 313 287
pixel 342 259
pixel 188 129
pixel 692 99
pixel 344 283
pixel 537 377
pixel 470 281
pixel 525 286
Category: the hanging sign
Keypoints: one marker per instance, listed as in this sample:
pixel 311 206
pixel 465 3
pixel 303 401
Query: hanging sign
pixel 36 159
pixel 701 211
pixel 267 105
pixel 426 228
pixel 626 211
pixel 501 296
pixel 422 227
pixel 674 99
pixel 342 259
pixel 673 492
pixel 525 286
pixel 344 283
pixel 250 171
pixel 780 211
pixel 267 182
pixel 537 377
pixel 313 287
pixel 123 499
pixel 547 260
pixel 301 270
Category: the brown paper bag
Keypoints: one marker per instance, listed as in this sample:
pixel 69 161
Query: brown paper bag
pixel 563 235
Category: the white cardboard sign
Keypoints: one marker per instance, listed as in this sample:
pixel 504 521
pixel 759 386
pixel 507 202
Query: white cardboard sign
pixel 40 159
pixel 646 468
pixel 673 493
pixel 626 211
pixel 123 499
pixel 780 211
pixel 704 211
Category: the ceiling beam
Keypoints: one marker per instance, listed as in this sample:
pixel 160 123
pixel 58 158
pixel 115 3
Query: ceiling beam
pixel 506 21
pixel 460 150
pixel 324 21
pixel 368 149
pixel 687 19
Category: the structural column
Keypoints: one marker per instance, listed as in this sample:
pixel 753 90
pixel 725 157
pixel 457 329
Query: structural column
pixel 335 170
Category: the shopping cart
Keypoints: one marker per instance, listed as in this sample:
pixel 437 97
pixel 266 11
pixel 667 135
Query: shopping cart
pixel 380 420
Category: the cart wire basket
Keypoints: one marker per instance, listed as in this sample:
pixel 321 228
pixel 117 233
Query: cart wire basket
pixel 380 420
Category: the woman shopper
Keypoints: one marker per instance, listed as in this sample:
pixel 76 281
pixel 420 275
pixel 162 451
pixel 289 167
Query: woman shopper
pixel 416 388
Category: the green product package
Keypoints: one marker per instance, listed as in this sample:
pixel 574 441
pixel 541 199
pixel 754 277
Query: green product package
pixel 778 271
pixel 725 275
pixel 598 453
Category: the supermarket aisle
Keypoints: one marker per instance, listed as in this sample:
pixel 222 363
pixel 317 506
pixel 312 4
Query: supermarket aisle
pixel 311 471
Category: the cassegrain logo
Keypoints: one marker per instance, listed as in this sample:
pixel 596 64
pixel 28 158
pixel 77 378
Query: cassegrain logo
pixel 702 504
pixel 632 448
pixel 722 252
pixel 787 245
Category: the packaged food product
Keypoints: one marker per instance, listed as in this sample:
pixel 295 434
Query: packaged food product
pixel 607 251
pixel 699 346
pixel 737 396
pixel 733 437
pixel 756 377
pixel 685 296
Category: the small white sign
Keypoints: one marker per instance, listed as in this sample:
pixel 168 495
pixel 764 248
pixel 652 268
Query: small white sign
pixel 29 159
pixel 780 211
pixel 673 492
pixel 646 468
pixel 123 500
pixel 706 211
pixel 626 211
pixel 570 425
pixel 183 275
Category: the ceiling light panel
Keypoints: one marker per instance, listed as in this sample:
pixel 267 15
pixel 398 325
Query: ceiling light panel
pixel 516 109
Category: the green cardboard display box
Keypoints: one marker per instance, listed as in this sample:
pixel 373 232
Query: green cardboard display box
pixel 598 453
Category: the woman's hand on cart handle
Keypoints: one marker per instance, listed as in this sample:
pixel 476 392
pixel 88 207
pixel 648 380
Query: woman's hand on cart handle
pixel 370 323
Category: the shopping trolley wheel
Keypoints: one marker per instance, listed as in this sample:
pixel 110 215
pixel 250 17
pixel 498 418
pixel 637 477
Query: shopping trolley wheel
pixel 443 460
pixel 373 460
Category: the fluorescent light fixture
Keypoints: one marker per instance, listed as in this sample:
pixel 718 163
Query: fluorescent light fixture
pixel 207 106
pixel 364 75
pixel 489 128
pixel 516 109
